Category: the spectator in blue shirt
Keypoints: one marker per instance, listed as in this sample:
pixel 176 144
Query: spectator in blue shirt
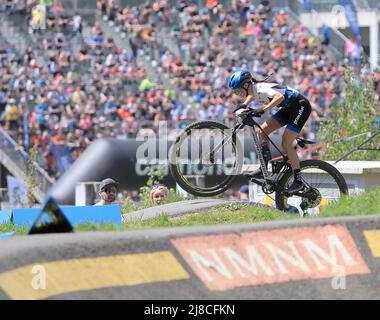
pixel 326 35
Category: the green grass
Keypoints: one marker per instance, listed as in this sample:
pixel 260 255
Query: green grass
pixel 364 204
pixel 130 206
pixel 80 227
pixel 226 214
pixel 98 227
pixel 7 227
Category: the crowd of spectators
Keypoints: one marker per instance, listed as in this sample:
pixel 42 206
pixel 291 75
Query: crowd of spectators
pixel 73 89
pixel 70 96
pixel 215 40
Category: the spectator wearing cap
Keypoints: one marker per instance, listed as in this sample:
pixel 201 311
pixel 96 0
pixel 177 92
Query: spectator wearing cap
pixel 107 192
pixel 244 193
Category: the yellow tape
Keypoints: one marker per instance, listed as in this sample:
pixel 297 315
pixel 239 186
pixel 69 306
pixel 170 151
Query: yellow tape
pixel 373 239
pixel 65 276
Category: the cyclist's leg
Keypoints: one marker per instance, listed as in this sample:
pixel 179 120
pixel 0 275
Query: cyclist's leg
pixel 288 144
pixel 280 119
pixel 288 139
pixel 272 124
pixel 300 113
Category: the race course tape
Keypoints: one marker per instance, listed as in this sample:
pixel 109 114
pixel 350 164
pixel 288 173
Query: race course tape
pixel 90 273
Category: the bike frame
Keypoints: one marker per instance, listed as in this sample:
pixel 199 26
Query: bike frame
pixel 269 181
pixel 274 182
pixel 251 123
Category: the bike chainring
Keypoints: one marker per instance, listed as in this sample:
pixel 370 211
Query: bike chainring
pixel 311 198
pixel 268 189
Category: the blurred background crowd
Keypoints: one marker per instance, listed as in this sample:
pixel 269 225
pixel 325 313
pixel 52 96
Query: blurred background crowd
pixel 76 84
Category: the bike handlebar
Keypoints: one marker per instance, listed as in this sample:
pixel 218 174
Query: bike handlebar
pixel 249 111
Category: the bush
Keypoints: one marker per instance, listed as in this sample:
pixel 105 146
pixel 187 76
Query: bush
pixel 352 114
pixel 31 175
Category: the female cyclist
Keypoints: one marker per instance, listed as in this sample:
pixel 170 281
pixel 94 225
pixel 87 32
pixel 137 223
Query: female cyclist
pixel 294 111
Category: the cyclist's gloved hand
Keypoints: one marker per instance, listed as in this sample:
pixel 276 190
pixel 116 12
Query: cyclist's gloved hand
pixel 242 112
pixel 240 107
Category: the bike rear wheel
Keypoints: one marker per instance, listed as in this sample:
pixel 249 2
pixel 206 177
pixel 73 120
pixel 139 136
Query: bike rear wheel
pixel 327 183
pixel 205 158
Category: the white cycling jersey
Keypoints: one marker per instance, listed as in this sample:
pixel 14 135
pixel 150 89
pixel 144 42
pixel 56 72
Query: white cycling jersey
pixel 265 91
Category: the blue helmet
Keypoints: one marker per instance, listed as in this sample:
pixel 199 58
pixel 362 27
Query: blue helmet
pixel 238 78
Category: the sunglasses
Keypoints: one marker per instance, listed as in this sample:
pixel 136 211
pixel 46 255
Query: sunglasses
pixel 236 90
pixel 109 190
pixel 157 186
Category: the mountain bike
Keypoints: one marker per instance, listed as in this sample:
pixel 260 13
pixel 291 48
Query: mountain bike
pixel 207 156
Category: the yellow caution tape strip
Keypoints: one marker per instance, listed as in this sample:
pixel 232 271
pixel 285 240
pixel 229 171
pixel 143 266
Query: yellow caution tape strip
pixel 39 281
pixel 373 239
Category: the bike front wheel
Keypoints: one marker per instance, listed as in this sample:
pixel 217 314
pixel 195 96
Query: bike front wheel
pixel 205 158
pixel 326 184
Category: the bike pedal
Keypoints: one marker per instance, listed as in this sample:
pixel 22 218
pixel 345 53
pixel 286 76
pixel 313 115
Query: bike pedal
pixel 303 206
pixel 287 194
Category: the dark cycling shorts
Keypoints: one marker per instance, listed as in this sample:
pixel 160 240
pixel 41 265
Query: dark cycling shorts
pixel 295 114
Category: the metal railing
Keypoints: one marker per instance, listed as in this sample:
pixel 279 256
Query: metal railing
pixel 374 4
pixel 328 5
pixel 337 39
pixel 19 158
